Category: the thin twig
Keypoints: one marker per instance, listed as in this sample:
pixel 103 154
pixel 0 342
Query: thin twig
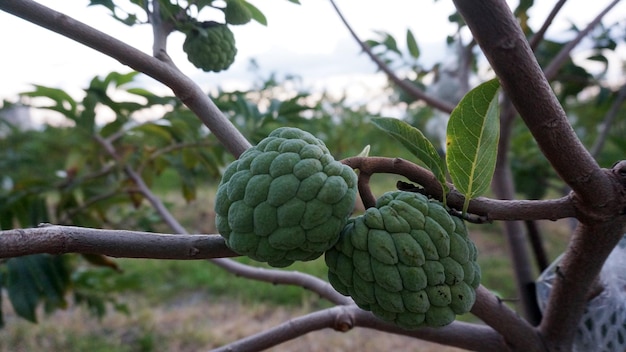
pixel 607 122
pixel 345 318
pixel 538 37
pixel 492 209
pixel 306 281
pixel 411 89
pixel 561 58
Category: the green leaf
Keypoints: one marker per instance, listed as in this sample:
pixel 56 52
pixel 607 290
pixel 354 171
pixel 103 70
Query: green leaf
pixel 416 143
pixel 411 43
pixel 472 140
pixel 257 15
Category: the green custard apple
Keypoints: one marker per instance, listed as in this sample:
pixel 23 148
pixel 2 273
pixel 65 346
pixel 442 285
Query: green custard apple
pixel 285 199
pixel 210 47
pixel 407 260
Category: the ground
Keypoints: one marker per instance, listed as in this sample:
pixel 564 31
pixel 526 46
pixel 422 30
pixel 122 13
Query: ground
pixel 188 323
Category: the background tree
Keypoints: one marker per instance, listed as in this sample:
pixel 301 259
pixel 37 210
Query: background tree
pixel 136 152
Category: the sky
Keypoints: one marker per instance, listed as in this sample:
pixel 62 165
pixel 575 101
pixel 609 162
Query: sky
pixel 307 40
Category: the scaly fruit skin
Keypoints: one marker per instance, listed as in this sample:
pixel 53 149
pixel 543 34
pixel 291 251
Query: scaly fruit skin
pixel 210 48
pixel 406 260
pixel 236 12
pixel 285 199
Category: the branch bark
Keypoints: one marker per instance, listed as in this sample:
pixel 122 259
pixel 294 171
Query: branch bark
pixel 165 72
pixel 345 318
pixel 517 332
pixel 55 239
pixel 504 44
pixel 492 209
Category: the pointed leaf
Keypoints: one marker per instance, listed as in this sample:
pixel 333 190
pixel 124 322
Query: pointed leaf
pixel 257 15
pixel 472 140
pixel 411 43
pixel 416 143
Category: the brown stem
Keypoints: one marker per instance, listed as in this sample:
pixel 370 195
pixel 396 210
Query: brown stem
pixel 327 318
pixel 504 188
pixel 54 239
pixel 492 209
pixel 408 87
pixel 367 197
pixel 536 242
pixel 463 335
pixel 518 334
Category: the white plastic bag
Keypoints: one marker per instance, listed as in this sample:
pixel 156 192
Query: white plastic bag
pixel 602 327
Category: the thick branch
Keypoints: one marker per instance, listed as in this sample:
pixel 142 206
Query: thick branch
pixel 493 209
pixel 464 335
pixel 519 335
pixel 504 44
pixel 182 86
pixel 55 239
pixel 408 87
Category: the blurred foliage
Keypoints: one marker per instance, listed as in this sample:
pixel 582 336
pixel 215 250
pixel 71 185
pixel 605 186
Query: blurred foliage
pixel 60 173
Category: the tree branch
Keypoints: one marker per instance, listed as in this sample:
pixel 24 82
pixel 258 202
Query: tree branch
pixel 504 44
pixel 493 209
pixel 54 239
pixel 408 87
pixel 605 126
pixel 182 86
pixel 345 318
pixel 538 37
pixel 517 333
pixel 464 335
pixel 504 188
pixel 306 281
pixel 561 58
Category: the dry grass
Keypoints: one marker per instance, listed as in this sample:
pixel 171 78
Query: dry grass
pixel 191 322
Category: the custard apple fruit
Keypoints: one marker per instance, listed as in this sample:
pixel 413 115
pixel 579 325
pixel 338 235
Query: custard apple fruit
pixel 210 47
pixel 285 199
pixel 406 260
pixel 236 12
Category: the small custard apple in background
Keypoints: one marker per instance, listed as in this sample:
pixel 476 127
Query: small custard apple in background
pixel 236 12
pixel 407 260
pixel 210 46
pixel 285 199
